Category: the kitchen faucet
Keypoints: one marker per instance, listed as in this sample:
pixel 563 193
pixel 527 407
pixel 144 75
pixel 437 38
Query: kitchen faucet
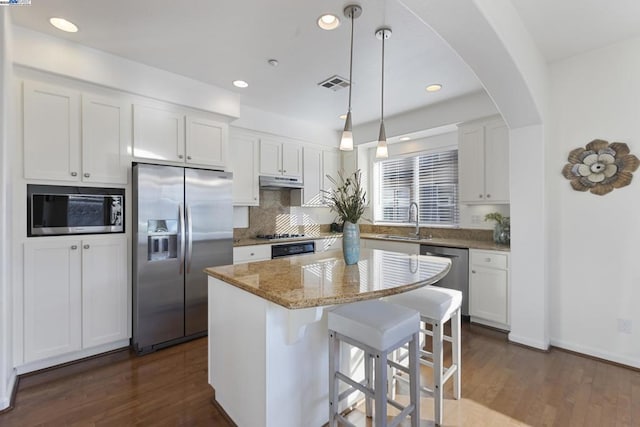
pixel 417 232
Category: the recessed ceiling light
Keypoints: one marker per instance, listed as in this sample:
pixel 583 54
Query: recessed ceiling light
pixel 240 83
pixel 64 25
pixel 434 87
pixel 405 138
pixel 342 116
pixel 328 22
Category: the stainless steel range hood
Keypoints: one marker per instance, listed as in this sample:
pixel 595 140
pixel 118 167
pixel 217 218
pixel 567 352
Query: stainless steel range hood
pixel 278 182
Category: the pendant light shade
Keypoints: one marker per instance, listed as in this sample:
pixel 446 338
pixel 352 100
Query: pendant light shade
pixel 346 142
pixel 381 150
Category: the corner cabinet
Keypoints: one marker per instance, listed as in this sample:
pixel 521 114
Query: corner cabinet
pixel 280 158
pixel 69 136
pixel 489 288
pixel 161 132
pixel 244 158
pixel 75 294
pixel 483 162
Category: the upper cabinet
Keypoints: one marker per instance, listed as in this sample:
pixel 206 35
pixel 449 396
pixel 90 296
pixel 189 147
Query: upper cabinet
pixel 483 162
pixel 74 137
pixel 244 153
pixel 280 158
pixel 159 134
pixel 317 164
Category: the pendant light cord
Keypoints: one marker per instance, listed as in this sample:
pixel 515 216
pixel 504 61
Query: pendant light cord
pixel 351 59
pixel 382 97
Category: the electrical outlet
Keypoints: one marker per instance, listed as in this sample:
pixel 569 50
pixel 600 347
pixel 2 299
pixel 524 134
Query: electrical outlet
pixel 625 326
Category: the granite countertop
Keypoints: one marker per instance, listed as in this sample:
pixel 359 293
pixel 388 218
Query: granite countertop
pixel 452 243
pixel 324 279
pixel 249 242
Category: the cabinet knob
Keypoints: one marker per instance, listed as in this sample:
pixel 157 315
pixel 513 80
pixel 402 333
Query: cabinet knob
pixel 180 156
pixel 473 271
pixel 74 247
pixel 279 170
pixel 188 157
pixel 480 196
pixel 86 246
pixel 255 198
pixel 87 174
pixel 251 254
pixel 284 171
pixel 74 173
pixel 488 196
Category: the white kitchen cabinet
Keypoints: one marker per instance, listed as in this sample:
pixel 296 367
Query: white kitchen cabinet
pixel 158 133
pixel 244 153
pixel 73 137
pixel 280 158
pixel 328 243
pixel 51 135
pixel 243 254
pixel 317 163
pixel 106 136
pixel 206 142
pixel 483 162
pixel 75 294
pixel 330 166
pixel 104 290
pixel 489 288
pixel 389 245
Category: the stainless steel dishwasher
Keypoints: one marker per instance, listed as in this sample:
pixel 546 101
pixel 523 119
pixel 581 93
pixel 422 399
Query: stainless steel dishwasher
pixel 458 277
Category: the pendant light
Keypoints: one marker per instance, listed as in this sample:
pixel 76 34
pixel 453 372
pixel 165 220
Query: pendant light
pixel 381 150
pixel 352 11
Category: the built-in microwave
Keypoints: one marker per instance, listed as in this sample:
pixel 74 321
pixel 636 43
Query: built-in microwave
pixel 55 210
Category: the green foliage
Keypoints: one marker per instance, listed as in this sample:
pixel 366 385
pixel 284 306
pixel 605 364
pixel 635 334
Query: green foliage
pixel 347 199
pixel 498 217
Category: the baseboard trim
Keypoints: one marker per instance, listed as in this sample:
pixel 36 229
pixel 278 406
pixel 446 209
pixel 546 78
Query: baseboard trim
pixel 596 354
pixel 526 342
pixel 221 409
pixel 8 402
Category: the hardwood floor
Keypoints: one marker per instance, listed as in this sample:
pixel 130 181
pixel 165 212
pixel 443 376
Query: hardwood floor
pixel 503 385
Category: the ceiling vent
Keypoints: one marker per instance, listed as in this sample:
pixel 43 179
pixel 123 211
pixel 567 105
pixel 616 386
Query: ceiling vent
pixel 335 83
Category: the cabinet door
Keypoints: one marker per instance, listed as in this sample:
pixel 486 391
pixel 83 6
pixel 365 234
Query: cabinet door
pixel 206 142
pixel 496 162
pixel 158 134
pixel 471 164
pixel 244 159
pixel 488 294
pixel 51 132
pixel 329 243
pixel 104 290
pixel 270 157
pixel 312 177
pixel 291 159
pixel 106 136
pixel 243 254
pixel 52 298
pixel 330 166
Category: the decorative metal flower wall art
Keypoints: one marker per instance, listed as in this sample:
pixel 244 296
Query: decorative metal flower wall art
pixel 600 167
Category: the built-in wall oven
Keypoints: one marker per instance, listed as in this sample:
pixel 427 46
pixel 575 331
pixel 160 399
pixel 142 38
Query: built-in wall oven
pixel 458 276
pixel 54 210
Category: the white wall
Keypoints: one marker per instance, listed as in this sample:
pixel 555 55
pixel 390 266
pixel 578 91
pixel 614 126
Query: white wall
pixel 594 258
pixel 7 375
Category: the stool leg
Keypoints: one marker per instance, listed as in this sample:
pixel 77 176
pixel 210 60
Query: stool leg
pixel 437 370
pixel 380 419
pixel 414 377
pixel 334 366
pixel 456 357
pixel 391 374
pixel 368 373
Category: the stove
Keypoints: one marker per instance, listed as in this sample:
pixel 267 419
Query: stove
pixel 280 236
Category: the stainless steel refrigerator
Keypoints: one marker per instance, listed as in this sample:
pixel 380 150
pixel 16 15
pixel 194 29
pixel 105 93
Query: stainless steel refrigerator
pixel 183 222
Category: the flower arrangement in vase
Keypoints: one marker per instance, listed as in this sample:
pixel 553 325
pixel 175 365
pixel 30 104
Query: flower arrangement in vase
pixel 502 229
pixel 347 200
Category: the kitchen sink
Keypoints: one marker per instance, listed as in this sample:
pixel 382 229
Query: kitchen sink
pixel 398 237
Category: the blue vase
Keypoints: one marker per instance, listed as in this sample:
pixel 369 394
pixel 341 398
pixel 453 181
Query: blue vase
pixel 351 243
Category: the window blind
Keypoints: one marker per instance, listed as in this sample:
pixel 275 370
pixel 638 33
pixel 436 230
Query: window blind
pixel 429 179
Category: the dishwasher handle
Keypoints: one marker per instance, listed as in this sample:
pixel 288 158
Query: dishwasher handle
pixel 440 255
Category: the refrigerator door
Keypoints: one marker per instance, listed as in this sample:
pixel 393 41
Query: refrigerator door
pixel 209 213
pixel 159 244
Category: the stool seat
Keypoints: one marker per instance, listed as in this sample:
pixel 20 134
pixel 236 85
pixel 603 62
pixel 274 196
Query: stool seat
pixel 433 302
pixel 377 324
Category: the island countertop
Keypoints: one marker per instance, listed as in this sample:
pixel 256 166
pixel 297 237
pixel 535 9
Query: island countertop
pixel 323 279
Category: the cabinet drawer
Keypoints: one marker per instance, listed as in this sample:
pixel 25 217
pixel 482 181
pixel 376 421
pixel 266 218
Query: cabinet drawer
pixel 489 259
pixel 251 253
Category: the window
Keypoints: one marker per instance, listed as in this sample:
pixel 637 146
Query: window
pixel 429 179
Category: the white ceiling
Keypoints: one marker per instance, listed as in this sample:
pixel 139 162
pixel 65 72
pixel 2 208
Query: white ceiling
pixel 220 41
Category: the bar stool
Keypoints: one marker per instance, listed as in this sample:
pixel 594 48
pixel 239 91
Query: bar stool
pixel 378 328
pixel 436 306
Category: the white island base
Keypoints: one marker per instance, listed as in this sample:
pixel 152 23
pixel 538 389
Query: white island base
pixel 268 365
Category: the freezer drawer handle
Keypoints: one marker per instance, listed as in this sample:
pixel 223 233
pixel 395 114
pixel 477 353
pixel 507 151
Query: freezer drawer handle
pixel 189 239
pixel 182 244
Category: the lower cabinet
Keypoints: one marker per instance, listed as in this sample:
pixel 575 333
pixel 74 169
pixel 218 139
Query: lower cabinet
pixel 489 288
pixel 75 294
pixel 243 254
pixel 388 245
pixel 328 243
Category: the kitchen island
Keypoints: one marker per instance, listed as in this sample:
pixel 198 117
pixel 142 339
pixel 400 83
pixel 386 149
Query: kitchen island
pixel 268 350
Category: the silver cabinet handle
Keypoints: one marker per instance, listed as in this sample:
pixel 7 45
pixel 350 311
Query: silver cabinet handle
pixel 87 175
pixel 86 246
pixel 74 247
pixel 74 173
pixel 180 156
